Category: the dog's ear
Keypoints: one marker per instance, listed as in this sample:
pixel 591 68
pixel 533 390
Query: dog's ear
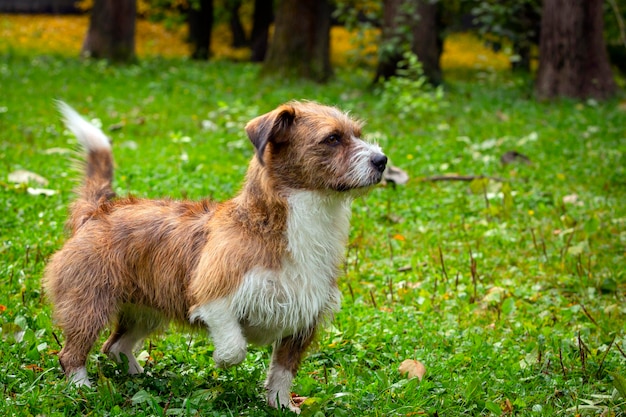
pixel 271 127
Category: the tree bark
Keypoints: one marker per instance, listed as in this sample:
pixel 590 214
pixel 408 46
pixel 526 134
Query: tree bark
pixel 200 22
pixel 111 33
pixel 301 43
pixel 410 25
pixel 427 42
pixel 573 61
pixel 261 20
pixel 236 27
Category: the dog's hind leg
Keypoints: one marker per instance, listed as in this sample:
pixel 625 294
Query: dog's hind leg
pixel 73 356
pixel 133 325
pixel 81 327
pixel 286 357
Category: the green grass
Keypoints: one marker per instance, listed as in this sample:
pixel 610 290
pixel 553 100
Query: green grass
pixel 512 293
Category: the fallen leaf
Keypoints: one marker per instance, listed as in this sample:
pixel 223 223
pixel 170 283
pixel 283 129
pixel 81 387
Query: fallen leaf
pixel 297 400
pixel 209 125
pixel 129 144
pixel 117 126
pixel 395 175
pixel 393 218
pixel 487 144
pixel 514 156
pixel 578 249
pixel 507 407
pixel 502 116
pixel 572 199
pixel 57 151
pixel 40 191
pixel 412 369
pixel 34 368
pixel 21 176
pixel 494 295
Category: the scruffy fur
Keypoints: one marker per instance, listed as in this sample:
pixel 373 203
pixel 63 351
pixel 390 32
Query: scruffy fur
pixel 260 268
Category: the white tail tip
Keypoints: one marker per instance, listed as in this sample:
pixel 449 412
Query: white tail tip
pixel 91 137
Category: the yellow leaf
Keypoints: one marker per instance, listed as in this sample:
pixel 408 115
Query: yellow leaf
pixel 412 369
pixel 34 368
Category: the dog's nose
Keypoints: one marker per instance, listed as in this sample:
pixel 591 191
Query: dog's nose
pixel 379 161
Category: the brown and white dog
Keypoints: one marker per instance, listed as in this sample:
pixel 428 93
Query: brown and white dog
pixel 261 268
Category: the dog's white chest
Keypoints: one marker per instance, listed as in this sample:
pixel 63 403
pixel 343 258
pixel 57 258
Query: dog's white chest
pixel 275 303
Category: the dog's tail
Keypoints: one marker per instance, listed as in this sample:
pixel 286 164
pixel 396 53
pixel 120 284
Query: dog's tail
pixel 96 190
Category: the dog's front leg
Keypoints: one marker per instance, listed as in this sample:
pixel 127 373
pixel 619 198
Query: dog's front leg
pixel 230 344
pixel 286 358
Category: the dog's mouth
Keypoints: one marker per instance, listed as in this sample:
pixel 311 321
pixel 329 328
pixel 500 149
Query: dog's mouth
pixel 365 185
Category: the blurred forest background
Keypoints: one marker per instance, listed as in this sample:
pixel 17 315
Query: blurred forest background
pixel 569 47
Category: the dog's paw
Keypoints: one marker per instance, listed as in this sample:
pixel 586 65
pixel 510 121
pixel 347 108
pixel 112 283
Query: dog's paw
pixel 278 401
pixel 126 358
pixel 79 378
pixel 229 356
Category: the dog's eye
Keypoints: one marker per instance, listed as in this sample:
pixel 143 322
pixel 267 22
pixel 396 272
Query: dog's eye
pixel 332 140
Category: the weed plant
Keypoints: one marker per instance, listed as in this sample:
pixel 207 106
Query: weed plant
pixel 507 281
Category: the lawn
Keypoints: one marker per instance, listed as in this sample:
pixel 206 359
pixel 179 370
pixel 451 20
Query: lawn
pixel 509 289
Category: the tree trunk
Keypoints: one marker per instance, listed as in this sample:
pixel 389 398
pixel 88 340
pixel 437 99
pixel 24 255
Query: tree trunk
pixel 200 22
pixel 236 27
pixel 573 61
pixel 394 39
pixel 410 25
pixel 427 42
pixel 111 33
pixel 261 21
pixel 301 43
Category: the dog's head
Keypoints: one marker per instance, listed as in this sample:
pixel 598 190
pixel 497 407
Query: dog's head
pixel 304 145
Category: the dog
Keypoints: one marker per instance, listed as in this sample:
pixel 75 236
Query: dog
pixel 260 268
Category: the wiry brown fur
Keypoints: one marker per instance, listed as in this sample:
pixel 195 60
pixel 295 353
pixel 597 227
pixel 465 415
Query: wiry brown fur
pixel 142 262
pixel 96 190
pixel 130 251
pixel 257 224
